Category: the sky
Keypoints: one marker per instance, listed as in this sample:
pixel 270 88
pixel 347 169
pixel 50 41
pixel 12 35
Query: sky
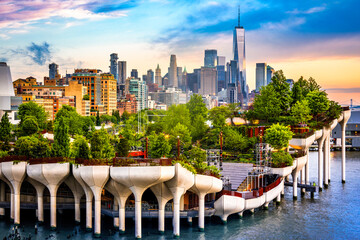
pixel 303 38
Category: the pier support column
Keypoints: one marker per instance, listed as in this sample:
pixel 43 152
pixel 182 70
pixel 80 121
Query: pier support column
pixel 307 168
pixel 39 187
pixel 320 164
pixel 241 214
pixel 266 205
pixel 176 213
pixel 116 219
pixel 2 198
pixel 329 160
pixel 89 212
pixel 294 175
pixel 278 199
pixel 189 220
pixel 77 209
pixel 201 212
pixel 122 219
pixel 53 193
pixel 326 162
pixel 12 206
pixel 343 151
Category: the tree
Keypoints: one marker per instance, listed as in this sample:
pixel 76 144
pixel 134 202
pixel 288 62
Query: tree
pixel 199 128
pixel 105 118
pixel 266 105
pixel 34 110
pixel 234 109
pixel 301 111
pixel 177 114
pixel 61 146
pixel 278 136
pixel 5 132
pixel 233 140
pixel 32 146
pixel 50 126
pixel 125 116
pixel 122 147
pixel 29 126
pixel 184 134
pixel 88 124
pixel 71 118
pixel 318 102
pixel 86 97
pixel 196 107
pixel 297 93
pixel 218 116
pixel 282 88
pixel 80 148
pixel 101 147
pixel 116 116
pixel 334 110
pixel 98 121
pixel 159 146
pixel 312 85
pixel 197 158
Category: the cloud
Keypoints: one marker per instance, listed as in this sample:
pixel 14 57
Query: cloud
pixel 38 53
pixel 308 11
pixel 2 59
pixel 15 13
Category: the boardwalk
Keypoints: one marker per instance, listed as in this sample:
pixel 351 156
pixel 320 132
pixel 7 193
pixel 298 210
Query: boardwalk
pixel 236 172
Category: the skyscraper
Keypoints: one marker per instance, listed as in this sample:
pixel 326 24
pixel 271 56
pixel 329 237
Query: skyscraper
pixel 239 56
pixel 179 76
pixel 269 74
pixel 134 73
pixel 114 65
pixel 158 80
pixel 261 74
pixel 53 70
pixel 150 76
pixel 122 72
pixel 221 74
pixel 210 58
pixel 173 82
pixel 208 81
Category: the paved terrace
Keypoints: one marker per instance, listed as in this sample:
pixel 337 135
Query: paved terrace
pixel 236 172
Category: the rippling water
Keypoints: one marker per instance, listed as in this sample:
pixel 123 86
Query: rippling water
pixel 332 214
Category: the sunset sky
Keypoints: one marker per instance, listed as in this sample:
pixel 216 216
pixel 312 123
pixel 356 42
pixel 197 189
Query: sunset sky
pixel 310 38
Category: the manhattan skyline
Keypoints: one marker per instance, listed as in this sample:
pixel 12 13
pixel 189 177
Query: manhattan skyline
pixel 310 38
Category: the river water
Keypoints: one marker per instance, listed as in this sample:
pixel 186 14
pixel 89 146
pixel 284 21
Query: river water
pixel 331 214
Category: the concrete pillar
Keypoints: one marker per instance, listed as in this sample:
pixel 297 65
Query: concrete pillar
pixel 343 151
pixel 176 213
pixel 278 199
pixel 189 220
pixel 40 198
pixel 201 212
pixel 329 161
pixel 307 173
pixel 303 180
pixel 122 219
pixel 116 208
pixel 266 205
pixel 2 198
pixel 15 174
pixel 77 209
pixel 77 192
pixel 326 162
pixel 88 195
pixel 241 214
pixel 294 177
pixel 320 164
pixel 12 210
pixel 95 178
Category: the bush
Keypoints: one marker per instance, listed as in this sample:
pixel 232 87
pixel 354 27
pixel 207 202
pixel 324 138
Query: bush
pixel 3 154
pixel 32 146
pixel 185 165
pixel 80 148
pixel 281 159
pixel 278 136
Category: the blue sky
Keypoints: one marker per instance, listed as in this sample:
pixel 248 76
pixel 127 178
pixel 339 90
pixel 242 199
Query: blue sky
pixel 311 38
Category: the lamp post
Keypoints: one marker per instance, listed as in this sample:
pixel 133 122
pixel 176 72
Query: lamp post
pixel 221 145
pixel 146 147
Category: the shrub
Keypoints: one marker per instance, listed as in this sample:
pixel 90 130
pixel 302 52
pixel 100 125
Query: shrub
pixel 278 136
pixel 281 159
pixel 185 165
pixel 32 146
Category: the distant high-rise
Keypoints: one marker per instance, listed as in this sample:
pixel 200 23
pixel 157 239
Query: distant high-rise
pixel 122 72
pixel 53 70
pixel 261 74
pixel 210 58
pixel 150 76
pixel 179 76
pixel 269 74
pixel 158 79
pixel 144 78
pixel 208 81
pixel 184 80
pixel 134 73
pixel 7 88
pixel 173 82
pixel 239 56
pixel 114 65
pixel 221 74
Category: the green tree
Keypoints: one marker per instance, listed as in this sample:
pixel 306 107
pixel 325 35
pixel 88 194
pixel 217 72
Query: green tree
pixel 301 111
pixel 196 107
pixel 177 114
pixel 34 110
pixel 61 146
pixel 184 134
pixel 101 147
pixel 313 85
pixel 318 102
pixel 233 140
pixel 88 125
pixel 5 132
pixel 105 118
pixel 86 97
pixel 116 116
pixel 282 88
pixel 218 116
pixel 334 110
pixel 122 147
pixel 50 126
pixel 197 158
pixel 29 126
pixel 266 105
pixel 32 146
pixel 297 93
pixel 199 128
pixel 234 109
pixel 80 148
pixel 71 118
pixel 98 121
pixel 125 116
pixel 278 136
pixel 159 146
